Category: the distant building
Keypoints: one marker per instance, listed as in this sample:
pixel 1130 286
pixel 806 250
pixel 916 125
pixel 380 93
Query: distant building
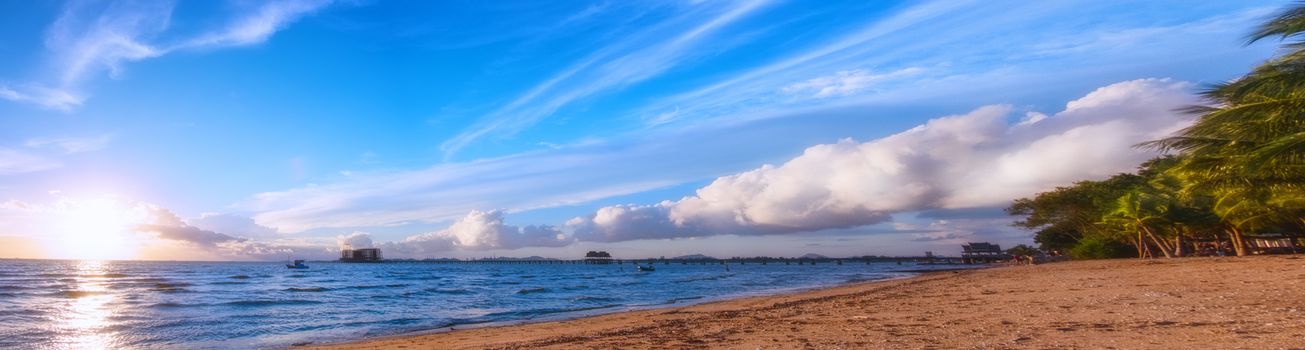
pixel 983 252
pixel 598 257
pixel 360 255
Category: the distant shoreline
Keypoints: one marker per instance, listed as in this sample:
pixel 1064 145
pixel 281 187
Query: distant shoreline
pixel 1092 304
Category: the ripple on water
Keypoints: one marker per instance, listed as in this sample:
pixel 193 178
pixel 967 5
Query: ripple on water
pixel 448 290
pixel 676 300
pixel 74 294
pixel 532 313
pixel 107 275
pixel 532 290
pixel 591 298
pixel 271 302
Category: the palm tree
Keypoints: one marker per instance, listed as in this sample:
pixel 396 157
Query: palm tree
pixel 1140 212
pixel 1247 146
pixel 1242 212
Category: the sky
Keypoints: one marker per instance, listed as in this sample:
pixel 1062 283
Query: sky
pixel 251 130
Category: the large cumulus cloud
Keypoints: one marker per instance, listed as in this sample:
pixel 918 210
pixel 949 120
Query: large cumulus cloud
pixel 981 158
pixel 478 230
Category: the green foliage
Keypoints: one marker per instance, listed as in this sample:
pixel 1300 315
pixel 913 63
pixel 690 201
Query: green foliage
pixel 1239 168
pixel 1060 218
pixel 1100 247
pixel 1022 249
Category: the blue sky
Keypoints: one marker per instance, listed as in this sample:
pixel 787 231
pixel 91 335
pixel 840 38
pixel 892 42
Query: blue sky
pixel 516 128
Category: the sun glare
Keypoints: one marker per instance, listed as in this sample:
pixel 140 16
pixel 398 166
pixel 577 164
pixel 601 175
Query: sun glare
pixel 94 229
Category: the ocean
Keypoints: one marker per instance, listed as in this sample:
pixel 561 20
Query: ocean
pixel 222 305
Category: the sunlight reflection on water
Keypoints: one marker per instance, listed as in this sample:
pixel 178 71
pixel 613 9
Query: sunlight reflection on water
pixel 84 323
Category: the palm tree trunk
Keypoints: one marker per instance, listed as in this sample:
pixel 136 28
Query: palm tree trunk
pixel 1164 249
pixel 1178 245
pixel 1140 244
pixel 1238 244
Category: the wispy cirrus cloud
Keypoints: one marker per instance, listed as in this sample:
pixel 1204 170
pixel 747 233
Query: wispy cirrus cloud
pixel 633 59
pixel 90 38
pixel 915 54
pixel 42 96
pixel 257 27
pixel 845 82
pixel 18 162
pixel 70 145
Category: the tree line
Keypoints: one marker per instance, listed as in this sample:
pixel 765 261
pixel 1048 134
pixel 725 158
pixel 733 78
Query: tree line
pixel 1238 170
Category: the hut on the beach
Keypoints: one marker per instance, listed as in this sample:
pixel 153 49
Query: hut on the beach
pixel 982 252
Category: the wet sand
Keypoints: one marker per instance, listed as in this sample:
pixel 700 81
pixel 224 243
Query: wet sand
pixel 1206 303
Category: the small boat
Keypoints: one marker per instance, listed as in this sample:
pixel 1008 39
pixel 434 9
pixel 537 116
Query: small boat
pixel 299 264
pixel 648 268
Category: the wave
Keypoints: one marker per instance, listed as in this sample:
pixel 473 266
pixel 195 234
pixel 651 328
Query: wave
pixel 170 287
pixel 595 299
pixel 418 278
pixel 74 294
pixel 860 278
pixel 375 286
pixel 107 275
pixel 531 313
pixel 703 278
pixel 172 305
pixel 271 302
pixel 448 290
pixel 676 300
pixel 239 277
pixel 532 290
pixel 311 289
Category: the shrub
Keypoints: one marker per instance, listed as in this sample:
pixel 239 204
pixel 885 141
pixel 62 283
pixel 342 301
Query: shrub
pixel 1097 247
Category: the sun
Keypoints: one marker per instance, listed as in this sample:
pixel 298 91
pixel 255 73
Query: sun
pixel 94 229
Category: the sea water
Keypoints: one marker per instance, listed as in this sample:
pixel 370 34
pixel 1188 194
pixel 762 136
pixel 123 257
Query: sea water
pixel 217 305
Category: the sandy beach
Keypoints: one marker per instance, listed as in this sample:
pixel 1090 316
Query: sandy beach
pixel 1212 303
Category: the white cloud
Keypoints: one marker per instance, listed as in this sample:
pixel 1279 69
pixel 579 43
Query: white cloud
pixel 260 25
pixel 70 145
pixel 634 58
pixel 356 240
pixel 89 38
pixel 845 83
pixel 449 191
pixel 42 96
pixel 962 161
pixel 477 230
pixel 158 232
pixel 234 224
pixel 16 162
pixel 1006 47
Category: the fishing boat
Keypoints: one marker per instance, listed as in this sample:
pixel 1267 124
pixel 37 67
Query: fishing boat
pixel 299 264
pixel 648 268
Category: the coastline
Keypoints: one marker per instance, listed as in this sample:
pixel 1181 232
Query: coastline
pixel 1249 302
pixel 600 312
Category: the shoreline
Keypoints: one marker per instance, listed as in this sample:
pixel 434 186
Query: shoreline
pixel 699 301
pixel 1226 302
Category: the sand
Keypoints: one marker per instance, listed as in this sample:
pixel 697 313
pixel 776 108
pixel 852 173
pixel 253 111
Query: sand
pixel 1188 303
